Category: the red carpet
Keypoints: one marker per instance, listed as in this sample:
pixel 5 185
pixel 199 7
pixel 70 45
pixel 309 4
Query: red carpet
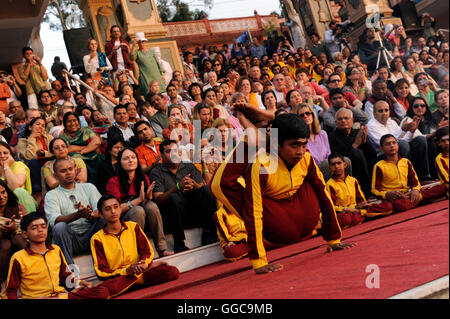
pixel 410 249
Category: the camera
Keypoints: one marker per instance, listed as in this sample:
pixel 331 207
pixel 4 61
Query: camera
pixel 99 69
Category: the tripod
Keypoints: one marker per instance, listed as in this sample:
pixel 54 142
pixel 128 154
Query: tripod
pixel 383 52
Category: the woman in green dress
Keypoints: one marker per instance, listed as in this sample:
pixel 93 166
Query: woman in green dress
pixel 83 143
pixel 149 67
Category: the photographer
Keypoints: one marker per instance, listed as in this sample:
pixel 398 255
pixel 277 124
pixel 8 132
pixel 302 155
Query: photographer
pixel 33 73
pixel 369 49
pixel 285 46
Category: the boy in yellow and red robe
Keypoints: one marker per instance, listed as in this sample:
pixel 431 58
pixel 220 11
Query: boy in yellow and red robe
pixel 394 179
pixel 442 138
pixel 122 254
pixel 40 271
pixel 348 199
pixel 279 206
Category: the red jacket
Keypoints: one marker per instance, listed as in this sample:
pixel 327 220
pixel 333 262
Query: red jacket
pixel 112 56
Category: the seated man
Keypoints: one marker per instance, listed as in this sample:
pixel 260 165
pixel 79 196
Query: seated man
pixel 395 179
pixel 339 101
pixel 148 150
pixel 442 138
pixel 335 82
pixel 348 199
pixel 353 144
pixel 182 197
pixel 409 147
pixel 38 270
pixel 232 235
pixel 71 210
pixel 121 129
pixel 159 121
pixel 274 207
pixel 380 92
pixel 122 253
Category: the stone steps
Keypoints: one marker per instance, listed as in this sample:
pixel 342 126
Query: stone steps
pixel 198 256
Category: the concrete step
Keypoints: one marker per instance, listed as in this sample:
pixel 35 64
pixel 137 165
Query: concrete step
pixel 198 256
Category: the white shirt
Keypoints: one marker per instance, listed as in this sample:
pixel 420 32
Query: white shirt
pixel 120 62
pixel 279 95
pixel 376 130
pixel 92 66
pixel 399 109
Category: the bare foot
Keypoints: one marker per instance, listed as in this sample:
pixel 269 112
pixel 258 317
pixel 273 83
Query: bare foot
pixel 268 268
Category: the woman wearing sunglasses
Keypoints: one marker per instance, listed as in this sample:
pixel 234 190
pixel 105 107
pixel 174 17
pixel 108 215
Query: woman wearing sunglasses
pixel 418 122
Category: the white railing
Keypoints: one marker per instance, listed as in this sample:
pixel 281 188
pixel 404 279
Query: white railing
pixel 77 84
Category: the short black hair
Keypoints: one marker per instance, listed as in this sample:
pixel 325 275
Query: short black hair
pixel 25 49
pixel 335 91
pixel 119 106
pixel 139 123
pixel 103 199
pixel 385 137
pixel 29 218
pixel 165 143
pixel 441 132
pixel 290 126
pixel 334 155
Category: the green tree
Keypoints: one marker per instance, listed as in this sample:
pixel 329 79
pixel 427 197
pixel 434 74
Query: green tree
pixel 64 15
pixel 180 10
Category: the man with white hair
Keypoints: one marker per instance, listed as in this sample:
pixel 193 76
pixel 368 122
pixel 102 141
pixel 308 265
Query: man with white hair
pixel 279 84
pixel 212 81
pixel 353 144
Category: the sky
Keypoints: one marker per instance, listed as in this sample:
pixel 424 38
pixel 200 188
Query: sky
pixel 54 42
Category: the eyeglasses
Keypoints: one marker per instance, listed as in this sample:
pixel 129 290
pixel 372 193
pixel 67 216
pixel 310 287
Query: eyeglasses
pixel 216 64
pixel 419 105
pixel 303 115
pixel 335 81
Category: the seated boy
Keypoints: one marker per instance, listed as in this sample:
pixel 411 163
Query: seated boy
pixel 442 138
pixel 122 253
pixel 395 179
pixel 348 199
pixel 38 270
pixel 232 234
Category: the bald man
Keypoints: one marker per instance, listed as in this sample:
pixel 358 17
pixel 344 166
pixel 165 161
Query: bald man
pixel 410 147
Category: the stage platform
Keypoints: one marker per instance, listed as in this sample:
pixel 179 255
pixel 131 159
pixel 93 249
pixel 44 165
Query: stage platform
pixel 404 255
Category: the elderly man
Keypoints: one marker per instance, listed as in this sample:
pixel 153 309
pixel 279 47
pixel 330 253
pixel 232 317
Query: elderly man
pixel 212 81
pixel 415 150
pixel 380 92
pixel 353 144
pixel 318 101
pixel 279 84
pixel 339 101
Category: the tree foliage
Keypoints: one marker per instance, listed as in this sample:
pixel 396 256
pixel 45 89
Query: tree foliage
pixel 180 10
pixel 67 16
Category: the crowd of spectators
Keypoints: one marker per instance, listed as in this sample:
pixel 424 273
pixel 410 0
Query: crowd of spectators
pixel 63 148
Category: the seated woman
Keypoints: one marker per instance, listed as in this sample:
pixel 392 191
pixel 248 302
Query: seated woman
pixel 195 92
pixel 183 131
pixel 402 92
pixel 33 149
pixel 108 166
pixel 419 122
pixel 203 113
pixel 133 116
pixel 10 240
pixel 210 98
pixel 83 143
pixel 244 85
pixel 60 150
pixel 134 190
pixel 17 176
